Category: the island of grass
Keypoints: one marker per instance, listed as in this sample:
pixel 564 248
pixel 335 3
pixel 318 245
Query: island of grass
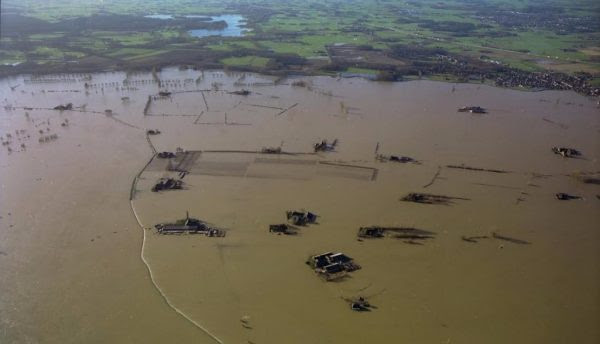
pixel 248 61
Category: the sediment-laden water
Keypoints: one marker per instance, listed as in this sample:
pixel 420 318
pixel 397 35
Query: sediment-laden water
pixel 70 244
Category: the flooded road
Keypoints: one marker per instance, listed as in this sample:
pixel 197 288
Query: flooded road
pixel 70 243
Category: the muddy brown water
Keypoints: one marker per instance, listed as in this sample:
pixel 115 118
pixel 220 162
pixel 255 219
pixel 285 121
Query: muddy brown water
pixel 70 245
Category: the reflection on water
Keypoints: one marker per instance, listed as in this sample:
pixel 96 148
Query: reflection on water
pixel 235 23
pixel 159 16
pixel 234 27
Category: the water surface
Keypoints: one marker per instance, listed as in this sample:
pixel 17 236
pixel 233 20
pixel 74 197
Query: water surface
pixel 235 24
pixel 69 254
pixel 234 27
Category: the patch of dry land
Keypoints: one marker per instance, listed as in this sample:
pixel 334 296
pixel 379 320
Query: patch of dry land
pixel 74 181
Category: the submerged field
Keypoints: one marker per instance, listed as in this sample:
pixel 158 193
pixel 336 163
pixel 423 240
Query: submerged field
pixel 74 36
pixel 70 242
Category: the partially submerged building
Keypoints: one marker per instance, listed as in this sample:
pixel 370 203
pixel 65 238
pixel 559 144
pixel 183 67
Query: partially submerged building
pixel 61 107
pixel 396 158
pixel 331 265
pixel 301 218
pixel 360 304
pixel 189 225
pixel 166 155
pixel 167 184
pixel 271 150
pixel 283 228
pixel 415 235
pixel 472 109
pixel 566 152
pixel 371 232
pixel 324 146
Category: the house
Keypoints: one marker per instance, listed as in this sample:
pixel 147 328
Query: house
pixel 282 228
pixel 189 225
pixel 371 232
pixel 300 218
pixel 331 265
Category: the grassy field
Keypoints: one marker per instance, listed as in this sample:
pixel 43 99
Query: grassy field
pixel 9 57
pixel 558 35
pixel 367 71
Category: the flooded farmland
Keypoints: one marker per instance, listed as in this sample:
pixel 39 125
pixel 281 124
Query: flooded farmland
pixel 82 261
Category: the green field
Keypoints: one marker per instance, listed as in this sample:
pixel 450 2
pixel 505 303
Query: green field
pixel 559 35
pixel 362 71
pixel 9 57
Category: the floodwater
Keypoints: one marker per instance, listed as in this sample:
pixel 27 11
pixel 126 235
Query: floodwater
pixel 234 27
pixel 70 244
pixel 235 24
pixel 159 16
